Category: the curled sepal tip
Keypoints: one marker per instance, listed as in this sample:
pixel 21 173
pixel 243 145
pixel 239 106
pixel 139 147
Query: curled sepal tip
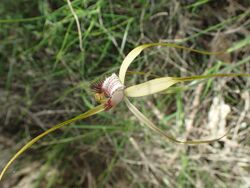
pixel 136 51
pixel 152 126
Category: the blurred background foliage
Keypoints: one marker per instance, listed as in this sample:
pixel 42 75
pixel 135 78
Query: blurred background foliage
pixel 45 78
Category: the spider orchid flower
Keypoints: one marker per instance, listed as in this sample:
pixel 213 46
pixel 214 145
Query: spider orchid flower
pixel 111 91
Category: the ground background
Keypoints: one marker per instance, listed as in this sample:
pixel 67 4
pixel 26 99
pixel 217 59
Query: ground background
pixel 45 78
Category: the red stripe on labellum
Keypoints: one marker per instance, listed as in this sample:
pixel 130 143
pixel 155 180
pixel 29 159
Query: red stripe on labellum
pixel 108 105
pixel 97 87
pixel 111 89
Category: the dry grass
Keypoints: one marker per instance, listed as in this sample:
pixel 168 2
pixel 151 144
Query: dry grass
pixel 45 79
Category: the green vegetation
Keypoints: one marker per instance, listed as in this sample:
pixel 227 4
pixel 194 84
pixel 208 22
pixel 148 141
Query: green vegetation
pixel 45 80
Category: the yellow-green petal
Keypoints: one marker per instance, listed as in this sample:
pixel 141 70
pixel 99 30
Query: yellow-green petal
pixel 160 84
pixel 136 51
pixel 150 87
pixel 152 126
pixel 89 113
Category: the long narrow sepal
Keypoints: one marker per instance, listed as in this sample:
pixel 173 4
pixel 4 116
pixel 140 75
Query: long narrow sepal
pixel 148 123
pixel 136 51
pixel 89 113
pixel 160 84
pixel 150 87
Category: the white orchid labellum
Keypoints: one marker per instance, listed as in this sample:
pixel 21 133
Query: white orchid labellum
pixel 111 92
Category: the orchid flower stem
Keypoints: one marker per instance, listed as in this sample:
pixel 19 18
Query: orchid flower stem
pixel 150 87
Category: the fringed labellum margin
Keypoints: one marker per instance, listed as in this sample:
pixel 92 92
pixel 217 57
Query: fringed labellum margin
pixel 109 91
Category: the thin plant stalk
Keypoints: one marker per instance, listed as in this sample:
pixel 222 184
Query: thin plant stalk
pixel 150 87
